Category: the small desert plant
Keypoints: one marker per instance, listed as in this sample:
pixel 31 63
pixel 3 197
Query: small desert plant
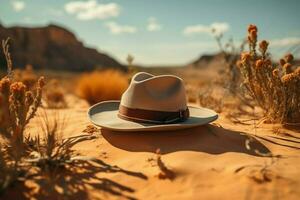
pixel 230 54
pixel 273 88
pixel 131 68
pixel 102 85
pixel 51 151
pixel 18 106
pixel 55 95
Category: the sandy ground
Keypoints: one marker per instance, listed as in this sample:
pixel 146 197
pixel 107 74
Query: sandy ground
pixel 219 160
pixel 224 159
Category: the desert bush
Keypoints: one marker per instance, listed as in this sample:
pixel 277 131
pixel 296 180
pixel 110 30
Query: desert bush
pixel 18 106
pixel 102 85
pixel 55 95
pixel 275 88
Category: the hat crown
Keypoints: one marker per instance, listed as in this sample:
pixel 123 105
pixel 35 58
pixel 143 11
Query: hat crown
pixel 157 93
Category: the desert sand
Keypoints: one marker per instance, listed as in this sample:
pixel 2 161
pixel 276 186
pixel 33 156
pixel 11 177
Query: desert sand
pixel 234 157
pixel 221 160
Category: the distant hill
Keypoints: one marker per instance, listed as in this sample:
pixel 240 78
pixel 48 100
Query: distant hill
pixel 208 59
pixel 53 47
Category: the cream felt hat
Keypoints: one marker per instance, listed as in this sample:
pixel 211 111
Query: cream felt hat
pixel 151 103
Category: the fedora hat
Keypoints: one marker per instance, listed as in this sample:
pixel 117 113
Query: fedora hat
pixel 150 103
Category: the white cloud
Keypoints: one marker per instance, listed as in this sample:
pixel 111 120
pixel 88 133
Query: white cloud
pixel 153 25
pixel 28 19
pixel 18 5
pixel 116 28
pixel 285 42
pixel 206 29
pixel 55 12
pixel 161 53
pixel 87 10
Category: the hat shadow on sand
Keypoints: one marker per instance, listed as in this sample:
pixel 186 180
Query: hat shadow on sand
pixel 209 139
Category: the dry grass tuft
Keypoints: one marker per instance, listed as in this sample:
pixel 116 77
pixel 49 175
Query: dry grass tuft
pixel 274 88
pixel 55 95
pixel 102 85
pixel 230 76
pixel 52 151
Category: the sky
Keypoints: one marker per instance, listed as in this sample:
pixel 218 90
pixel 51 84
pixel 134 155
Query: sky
pixel 161 32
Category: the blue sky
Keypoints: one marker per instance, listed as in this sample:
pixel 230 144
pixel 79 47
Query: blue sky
pixel 167 32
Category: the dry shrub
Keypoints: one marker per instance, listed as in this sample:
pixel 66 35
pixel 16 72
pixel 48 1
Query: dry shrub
pixel 18 105
pixel 274 88
pixel 102 85
pixel 26 76
pixel 55 95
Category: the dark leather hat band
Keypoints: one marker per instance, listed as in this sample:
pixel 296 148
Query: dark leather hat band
pixel 151 116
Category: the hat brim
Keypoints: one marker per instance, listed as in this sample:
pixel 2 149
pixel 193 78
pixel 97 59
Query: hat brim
pixel 105 115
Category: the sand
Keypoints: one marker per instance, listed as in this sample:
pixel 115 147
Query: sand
pixel 221 160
